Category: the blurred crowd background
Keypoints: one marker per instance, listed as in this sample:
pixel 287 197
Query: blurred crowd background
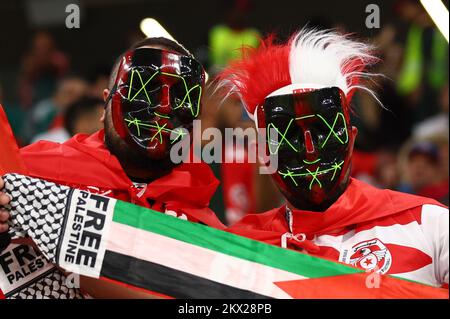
pixel 52 78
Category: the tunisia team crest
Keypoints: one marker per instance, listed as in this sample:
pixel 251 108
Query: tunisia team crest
pixel 368 255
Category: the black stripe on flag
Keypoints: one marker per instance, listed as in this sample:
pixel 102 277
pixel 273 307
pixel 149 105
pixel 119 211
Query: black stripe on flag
pixel 168 281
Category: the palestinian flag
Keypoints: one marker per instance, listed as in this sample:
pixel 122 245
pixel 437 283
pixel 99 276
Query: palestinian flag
pixel 108 239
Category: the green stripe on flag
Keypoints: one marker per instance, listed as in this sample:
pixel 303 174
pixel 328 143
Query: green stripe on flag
pixel 227 243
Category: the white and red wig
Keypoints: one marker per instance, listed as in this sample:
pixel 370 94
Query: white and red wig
pixel 309 60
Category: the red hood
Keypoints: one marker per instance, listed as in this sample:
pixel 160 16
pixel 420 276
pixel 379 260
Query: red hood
pixel 84 160
pixel 359 203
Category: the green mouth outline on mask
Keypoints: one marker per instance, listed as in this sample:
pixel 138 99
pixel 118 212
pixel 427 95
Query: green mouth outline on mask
pixel 314 174
pixel 139 125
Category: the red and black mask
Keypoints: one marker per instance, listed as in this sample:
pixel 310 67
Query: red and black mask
pixel 310 133
pixel 155 98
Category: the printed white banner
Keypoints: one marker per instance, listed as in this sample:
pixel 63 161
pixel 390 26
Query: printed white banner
pixel 19 265
pixel 86 229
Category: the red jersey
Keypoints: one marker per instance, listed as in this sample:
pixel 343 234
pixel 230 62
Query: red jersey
pixel 390 232
pixel 84 162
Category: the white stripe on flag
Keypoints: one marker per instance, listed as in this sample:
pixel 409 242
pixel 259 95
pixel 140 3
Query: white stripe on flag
pixel 198 261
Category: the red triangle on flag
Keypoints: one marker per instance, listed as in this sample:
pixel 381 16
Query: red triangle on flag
pixel 360 286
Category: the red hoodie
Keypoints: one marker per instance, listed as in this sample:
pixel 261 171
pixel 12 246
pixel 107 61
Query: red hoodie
pixel 84 162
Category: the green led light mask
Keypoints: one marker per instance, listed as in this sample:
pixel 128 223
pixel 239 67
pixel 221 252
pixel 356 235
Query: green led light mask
pixel 156 96
pixel 310 132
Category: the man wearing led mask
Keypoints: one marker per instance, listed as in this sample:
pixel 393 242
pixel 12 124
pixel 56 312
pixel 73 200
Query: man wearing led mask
pixel 300 94
pixel 154 96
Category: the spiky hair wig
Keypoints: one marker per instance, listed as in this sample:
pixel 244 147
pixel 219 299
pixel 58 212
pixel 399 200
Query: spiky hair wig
pixel 310 59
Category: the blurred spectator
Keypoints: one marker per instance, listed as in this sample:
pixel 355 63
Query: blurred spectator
pixel 98 80
pixel 237 172
pixel 425 60
pixel 386 170
pixel 41 68
pixel 379 168
pixel 437 124
pixel 388 126
pixel 82 116
pixel 364 165
pixel 47 114
pixel 243 189
pixel 238 187
pixel 233 197
pixel 225 40
pixel 424 173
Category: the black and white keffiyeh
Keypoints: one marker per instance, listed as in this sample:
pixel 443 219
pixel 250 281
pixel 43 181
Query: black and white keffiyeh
pixel 37 211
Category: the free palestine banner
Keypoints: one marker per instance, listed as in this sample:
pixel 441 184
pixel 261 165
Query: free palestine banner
pixel 109 239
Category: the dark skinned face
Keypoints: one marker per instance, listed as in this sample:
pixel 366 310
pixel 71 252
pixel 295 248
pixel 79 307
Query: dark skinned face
pixel 315 143
pixel 155 98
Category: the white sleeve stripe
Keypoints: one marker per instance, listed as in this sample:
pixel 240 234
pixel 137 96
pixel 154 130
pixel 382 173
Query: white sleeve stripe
pixel 435 223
